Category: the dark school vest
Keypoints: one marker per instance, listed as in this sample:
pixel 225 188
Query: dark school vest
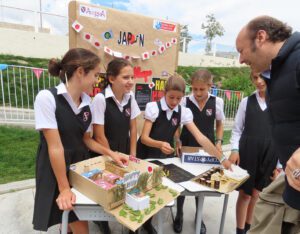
pixel 257 121
pixel 71 128
pixel 162 130
pixel 204 120
pixel 117 125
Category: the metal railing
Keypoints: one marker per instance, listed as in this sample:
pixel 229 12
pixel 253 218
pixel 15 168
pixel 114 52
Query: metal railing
pixel 19 86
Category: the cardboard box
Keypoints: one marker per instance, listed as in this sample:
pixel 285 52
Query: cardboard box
pixel 194 155
pixel 111 198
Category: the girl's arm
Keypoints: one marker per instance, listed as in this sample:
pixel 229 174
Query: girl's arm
pixel 98 148
pixel 66 197
pixel 207 145
pixel 219 134
pixel 163 146
pixel 133 137
pixel 99 135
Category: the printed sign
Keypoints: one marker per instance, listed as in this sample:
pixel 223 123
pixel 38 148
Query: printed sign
pixel 130 179
pixel 142 95
pixel 92 12
pixel 188 158
pixel 160 25
pixel 159 88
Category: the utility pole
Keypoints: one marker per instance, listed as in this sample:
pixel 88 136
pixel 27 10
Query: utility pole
pixel 41 17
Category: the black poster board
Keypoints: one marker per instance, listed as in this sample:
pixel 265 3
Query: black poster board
pixel 142 95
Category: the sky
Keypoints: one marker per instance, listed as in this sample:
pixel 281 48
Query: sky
pixel 232 14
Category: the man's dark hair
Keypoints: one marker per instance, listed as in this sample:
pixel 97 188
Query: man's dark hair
pixel 276 30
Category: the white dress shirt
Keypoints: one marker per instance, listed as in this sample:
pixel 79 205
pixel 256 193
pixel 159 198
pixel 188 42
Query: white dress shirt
pixel 152 112
pixel 45 106
pixel 219 105
pixel 239 123
pixel 99 105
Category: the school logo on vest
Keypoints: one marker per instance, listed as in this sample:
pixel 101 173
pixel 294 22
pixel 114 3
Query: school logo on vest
pixel 127 112
pixel 174 121
pixel 86 116
pixel 208 112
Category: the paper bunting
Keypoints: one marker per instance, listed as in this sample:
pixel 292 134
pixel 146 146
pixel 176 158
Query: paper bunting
pixel 145 55
pixel 154 53
pixel 151 85
pixel 88 37
pixel 3 66
pixel 161 49
pixel 228 94
pixel 117 54
pixel 168 44
pixel 238 95
pixel 127 57
pixel 108 50
pixel 77 26
pixel 174 40
pixel 37 72
pixel 97 44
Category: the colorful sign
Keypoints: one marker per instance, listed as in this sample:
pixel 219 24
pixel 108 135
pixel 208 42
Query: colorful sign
pixel 159 88
pixel 160 25
pixel 92 12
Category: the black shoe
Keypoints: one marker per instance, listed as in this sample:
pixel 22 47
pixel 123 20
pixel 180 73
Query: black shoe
pixel 203 228
pixel 149 228
pixel 103 226
pixel 177 224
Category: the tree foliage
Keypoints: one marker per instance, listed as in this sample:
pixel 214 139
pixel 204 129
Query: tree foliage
pixel 212 29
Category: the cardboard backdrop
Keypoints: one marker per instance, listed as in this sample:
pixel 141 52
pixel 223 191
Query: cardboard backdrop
pixel 149 43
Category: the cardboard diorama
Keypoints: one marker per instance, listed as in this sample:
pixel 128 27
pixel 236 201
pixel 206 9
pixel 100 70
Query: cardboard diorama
pixel 150 44
pixel 132 194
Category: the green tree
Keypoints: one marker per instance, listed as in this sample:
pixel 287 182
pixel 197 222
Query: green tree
pixel 212 29
pixel 185 38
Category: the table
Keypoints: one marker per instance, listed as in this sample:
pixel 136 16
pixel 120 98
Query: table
pixel 197 169
pixel 88 210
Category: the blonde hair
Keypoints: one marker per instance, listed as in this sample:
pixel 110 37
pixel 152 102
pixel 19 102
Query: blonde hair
pixel 202 75
pixel 175 82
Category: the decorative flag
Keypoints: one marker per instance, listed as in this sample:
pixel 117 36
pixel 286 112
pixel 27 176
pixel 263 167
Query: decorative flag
pixel 37 72
pixel 77 26
pixel 174 40
pixel 127 57
pixel 238 94
pixel 145 55
pixel 107 35
pixel 214 92
pixel 88 37
pixel 153 52
pixel 161 49
pixel 3 66
pixel 168 45
pixel 151 85
pixel 117 54
pixel 96 43
pixel 228 94
pixel 108 50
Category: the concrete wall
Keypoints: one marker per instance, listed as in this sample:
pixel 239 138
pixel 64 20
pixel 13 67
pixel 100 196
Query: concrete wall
pixel 24 41
pixel 32 44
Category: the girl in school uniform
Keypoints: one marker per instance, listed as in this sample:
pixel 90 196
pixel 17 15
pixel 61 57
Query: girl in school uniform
pixel 115 111
pixel 252 150
pixel 162 120
pixel 63 117
pixel 207 110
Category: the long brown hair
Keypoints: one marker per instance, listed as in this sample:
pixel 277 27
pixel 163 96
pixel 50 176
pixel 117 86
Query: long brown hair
pixel 74 58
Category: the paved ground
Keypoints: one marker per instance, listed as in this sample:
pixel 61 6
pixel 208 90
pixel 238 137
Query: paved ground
pixel 16 208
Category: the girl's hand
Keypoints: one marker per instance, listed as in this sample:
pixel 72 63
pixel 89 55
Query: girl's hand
pixel 120 159
pixel 234 158
pixel 227 164
pixel 166 148
pixel 66 199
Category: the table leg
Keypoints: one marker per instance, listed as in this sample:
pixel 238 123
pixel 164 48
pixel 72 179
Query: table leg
pixel 159 222
pixel 199 213
pixel 225 203
pixel 64 223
